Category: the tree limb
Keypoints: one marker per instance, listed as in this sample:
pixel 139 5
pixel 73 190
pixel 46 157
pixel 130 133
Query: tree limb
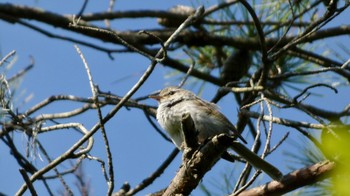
pixel 193 170
pixel 190 38
pixel 294 180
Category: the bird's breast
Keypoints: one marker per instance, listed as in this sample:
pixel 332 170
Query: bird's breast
pixel 170 121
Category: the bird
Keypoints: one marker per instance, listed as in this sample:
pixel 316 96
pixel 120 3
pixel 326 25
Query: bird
pixel 208 121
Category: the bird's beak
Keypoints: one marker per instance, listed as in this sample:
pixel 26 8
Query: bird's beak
pixel 155 96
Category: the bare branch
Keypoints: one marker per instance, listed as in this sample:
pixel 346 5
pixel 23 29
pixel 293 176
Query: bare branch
pixel 285 122
pixel 6 57
pixel 260 32
pixel 192 171
pixel 219 6
pixel 58 174
pixel 190 69
pixel 28 182
pixel 317 111
pixel 310 31
pixel 186 37
pixel 64 156
pixel 294 180
pixel 110 180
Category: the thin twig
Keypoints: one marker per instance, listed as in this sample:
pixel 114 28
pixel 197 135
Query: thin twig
pixel 58 174
pixel 252 179
pixel 247 168
pixel 287 75
pixel 311 29
pixel 244 89
pixel 345 64
pixel 259 31
pixel 21 72
pixel 69 171
pixel 313 86
pixel 103 167
pixel 219 6
pixel 110 180
pixel 28 182
pixel 165 53
pixel 317 111
pixel 278 143
pixel 251 104
pixel 110 100
pixel 193 63
pixel 21 160
pixel 109 10
pixel 301 13
pixel 65 38
pixel 117 37
pixel 78 126
pixel 285 122
pixel 245 23
pixel 80 110
pixel 82 9
pixel 269 132
pixel 5 58
pixel 287 30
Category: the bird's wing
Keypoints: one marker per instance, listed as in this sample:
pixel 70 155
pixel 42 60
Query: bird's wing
pixel 212 109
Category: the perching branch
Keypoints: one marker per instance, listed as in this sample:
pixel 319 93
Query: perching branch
pixel 200 162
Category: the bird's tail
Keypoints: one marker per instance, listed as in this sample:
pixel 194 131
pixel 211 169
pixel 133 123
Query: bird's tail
pixel 256 161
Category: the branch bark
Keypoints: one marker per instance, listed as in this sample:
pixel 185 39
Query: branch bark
pixel 190 38
pixel 193 170
pixel 294 180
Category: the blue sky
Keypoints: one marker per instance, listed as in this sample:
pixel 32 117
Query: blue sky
pixel 137 149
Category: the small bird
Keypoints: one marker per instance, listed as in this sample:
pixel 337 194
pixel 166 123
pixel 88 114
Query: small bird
pixel 174 102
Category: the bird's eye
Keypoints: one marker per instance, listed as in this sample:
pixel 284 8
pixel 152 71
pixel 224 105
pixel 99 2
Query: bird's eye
pixel 171 93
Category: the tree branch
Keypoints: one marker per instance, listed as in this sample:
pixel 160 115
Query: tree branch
pixel 294 180
pixel 190 38
pixel 192 171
